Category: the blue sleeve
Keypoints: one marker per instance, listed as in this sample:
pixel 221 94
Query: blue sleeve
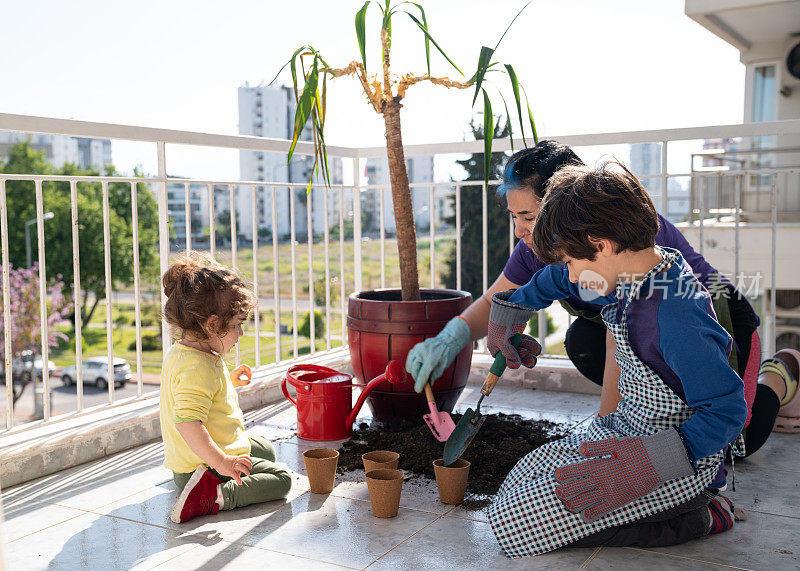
pixel 696 347
pixel 552 283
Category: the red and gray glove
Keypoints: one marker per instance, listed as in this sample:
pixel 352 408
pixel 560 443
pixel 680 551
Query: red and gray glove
pixel 620 470
pixel 505 320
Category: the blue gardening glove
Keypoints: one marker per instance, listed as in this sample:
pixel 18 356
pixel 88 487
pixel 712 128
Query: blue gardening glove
pixel 619 470
pixel 505 320
pixel 427 360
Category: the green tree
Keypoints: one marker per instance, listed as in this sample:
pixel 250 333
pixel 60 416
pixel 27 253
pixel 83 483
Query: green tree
pixel 472 222
pixel 58 231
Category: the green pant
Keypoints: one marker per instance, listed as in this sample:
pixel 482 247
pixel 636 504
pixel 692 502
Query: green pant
pixel 268 480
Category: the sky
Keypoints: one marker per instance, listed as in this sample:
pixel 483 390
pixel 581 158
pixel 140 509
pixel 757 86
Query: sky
pixel 588 66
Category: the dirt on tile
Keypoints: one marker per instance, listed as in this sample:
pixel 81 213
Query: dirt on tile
pixel 500 443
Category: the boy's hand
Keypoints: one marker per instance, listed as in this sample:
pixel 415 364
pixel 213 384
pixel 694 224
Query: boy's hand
pixel 620 470
pixel 505 320
pixel 241 376
pixel 234 467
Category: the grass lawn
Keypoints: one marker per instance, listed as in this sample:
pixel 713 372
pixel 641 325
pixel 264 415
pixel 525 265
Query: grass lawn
pixel 370 266
pixel 124 338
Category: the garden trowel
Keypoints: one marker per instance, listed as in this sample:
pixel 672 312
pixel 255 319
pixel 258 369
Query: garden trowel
pixel 439 422
pixel 471 422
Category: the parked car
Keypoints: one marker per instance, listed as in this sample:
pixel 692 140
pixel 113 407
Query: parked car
pixel 25 367
pixel 95 371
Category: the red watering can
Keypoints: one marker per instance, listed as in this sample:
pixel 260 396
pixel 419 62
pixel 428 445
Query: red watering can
pixel 324 399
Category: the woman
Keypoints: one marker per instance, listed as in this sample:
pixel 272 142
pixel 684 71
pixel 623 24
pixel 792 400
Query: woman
pixel 587 342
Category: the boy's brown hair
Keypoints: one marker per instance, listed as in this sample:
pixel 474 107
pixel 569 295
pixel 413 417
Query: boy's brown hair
pixel 198 287
pixel 581 202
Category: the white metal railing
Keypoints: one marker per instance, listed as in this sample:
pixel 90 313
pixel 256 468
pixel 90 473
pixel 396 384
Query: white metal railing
pixel 346 202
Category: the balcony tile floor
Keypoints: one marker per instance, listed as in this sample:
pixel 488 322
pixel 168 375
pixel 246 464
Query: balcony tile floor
pixel 114 513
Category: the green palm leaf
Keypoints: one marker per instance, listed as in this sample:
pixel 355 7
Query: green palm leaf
pixel 512 23
pixel 484 61
pixel 488 135
pixel 304 105
pixel 361 32
pixel 530 118
pixel 515 88
pixel 428 36
pixel 508 119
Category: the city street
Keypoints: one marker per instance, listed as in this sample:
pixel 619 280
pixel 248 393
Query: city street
pixel 64 399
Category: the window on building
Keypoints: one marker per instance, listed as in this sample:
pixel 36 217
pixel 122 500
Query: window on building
pixel 764 93
pixel 763 110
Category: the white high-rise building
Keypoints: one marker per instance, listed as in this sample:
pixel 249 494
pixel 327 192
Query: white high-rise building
pixel 58 150
pixel 268 111
pixel 420 170
pixel 645 159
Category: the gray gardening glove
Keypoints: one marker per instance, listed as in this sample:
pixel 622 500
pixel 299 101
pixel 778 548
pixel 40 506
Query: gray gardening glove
pixel 505 320
pixel 619 470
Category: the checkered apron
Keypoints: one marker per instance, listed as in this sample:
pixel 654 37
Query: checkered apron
pixel 527 517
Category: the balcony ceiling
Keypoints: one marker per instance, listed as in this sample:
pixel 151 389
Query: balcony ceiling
pixel 744 23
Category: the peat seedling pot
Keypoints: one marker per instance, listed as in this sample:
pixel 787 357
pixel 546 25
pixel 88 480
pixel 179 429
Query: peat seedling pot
pixel 451 480
pixel 385 487
pixel 382 327
pixel 380 460
pixel 321 469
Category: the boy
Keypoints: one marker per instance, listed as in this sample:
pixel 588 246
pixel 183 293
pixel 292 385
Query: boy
pixel 655 458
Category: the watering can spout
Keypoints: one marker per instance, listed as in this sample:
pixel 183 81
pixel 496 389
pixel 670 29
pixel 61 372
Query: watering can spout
pixel 395 373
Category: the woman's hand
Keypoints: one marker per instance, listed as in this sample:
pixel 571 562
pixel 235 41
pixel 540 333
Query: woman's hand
pixel 241 376
pixel 427 360
pixel 234 467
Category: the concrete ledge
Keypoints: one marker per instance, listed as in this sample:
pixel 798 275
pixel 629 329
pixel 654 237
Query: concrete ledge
pixel 27 454
pixel 549 374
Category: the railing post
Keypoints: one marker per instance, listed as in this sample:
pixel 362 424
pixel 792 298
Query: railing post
pixel 358 277
pixel 42 303
pixel 432 233
pixel 163 233
pixel 484 249
pixel 137 302
pixel 107 262
pixel 257 316
pixel 6 308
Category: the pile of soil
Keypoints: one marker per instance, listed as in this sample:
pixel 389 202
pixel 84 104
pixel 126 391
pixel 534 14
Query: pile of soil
pixel 499 444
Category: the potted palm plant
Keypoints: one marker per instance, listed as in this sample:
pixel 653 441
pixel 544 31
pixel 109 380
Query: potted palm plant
pixel 385 324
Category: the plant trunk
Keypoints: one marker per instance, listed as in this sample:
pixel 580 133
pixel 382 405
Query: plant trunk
pixel 401 199
pixel 87 317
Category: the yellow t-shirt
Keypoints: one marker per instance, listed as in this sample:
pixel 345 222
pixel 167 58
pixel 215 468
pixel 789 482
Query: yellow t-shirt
pixel 196 386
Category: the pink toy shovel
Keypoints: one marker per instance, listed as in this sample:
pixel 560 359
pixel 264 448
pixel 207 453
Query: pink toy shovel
pixel 440 423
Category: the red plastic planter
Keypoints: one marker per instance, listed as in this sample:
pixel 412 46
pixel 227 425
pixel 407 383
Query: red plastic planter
pixel 381 327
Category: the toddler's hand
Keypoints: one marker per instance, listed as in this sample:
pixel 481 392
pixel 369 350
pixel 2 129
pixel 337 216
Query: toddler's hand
pixel 235 466
pixel 241 376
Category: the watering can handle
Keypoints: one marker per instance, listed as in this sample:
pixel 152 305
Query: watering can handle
pixel 286 391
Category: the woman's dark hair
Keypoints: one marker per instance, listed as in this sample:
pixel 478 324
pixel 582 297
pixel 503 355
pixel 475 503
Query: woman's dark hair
pixel 603 203
pixel 198 287
pixel 533 167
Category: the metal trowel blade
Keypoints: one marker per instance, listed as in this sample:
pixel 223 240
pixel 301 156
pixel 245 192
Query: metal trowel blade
pixel 465 431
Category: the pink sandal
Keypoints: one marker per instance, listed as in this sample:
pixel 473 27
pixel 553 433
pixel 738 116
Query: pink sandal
pixel 788 419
